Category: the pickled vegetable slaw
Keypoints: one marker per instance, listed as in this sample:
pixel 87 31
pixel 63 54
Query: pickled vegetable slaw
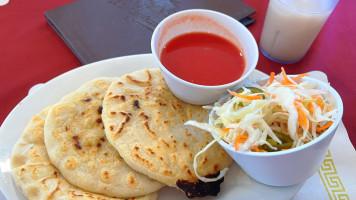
pixel 282 113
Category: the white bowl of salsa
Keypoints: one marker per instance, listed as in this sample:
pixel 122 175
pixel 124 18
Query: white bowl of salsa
pixel 202 53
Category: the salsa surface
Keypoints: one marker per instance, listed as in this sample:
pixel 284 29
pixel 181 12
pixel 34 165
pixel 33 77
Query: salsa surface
pixel 203 58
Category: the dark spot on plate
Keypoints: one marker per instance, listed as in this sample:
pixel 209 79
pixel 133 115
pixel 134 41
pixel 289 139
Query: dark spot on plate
pixel 200 189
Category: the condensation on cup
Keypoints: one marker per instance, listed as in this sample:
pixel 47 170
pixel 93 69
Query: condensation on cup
pixel 291 26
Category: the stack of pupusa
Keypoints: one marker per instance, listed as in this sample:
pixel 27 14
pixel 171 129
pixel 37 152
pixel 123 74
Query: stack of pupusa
pixel 64 154
pixel 144 143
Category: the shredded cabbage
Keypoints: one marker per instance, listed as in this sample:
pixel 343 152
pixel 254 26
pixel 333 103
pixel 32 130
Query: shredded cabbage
pixel 289 109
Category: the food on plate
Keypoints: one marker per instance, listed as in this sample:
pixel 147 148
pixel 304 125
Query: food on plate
pixel 76 144
pixel 283 113
pixel 194 57
pixel 144 121
pixel 126 145
pixel 34 173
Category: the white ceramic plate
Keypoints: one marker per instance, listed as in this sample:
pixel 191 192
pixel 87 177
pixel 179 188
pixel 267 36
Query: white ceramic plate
pixel 237 184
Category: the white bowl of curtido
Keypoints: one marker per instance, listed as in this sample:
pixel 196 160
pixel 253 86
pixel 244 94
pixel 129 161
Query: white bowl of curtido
pixel 278 129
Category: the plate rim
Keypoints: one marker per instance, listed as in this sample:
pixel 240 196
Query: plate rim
pixel 139 61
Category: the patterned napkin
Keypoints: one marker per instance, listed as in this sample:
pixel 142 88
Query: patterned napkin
pixel 336 178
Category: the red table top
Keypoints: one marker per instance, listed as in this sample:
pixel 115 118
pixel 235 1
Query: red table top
pixel 31 52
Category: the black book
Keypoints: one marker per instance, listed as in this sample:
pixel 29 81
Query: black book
pixel 99 29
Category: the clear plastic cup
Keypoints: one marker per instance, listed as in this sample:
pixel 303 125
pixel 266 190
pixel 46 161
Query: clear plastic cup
pixel 291 26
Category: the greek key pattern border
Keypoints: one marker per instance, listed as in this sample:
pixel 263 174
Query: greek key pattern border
pixel 331 180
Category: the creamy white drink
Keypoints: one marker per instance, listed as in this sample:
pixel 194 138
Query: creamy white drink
pixel 291 26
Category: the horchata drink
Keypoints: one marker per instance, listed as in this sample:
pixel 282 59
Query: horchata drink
pixel 291 26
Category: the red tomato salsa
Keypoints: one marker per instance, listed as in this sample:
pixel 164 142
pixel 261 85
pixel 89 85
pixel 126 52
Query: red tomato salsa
pixel 203 58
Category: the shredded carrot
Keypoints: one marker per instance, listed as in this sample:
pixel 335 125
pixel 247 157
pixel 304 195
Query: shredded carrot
pixel 319 102
pixel 298 100
pixel 226 129
pixel 300 76
pixel 269 94
pixel 325 126
pixel 255 97
pixel 236 146
pixel 288 81
pixel 256 148
pixel 239 139
pixel 284 82
pixel 271 78
pixel 311 107
pixel 302 118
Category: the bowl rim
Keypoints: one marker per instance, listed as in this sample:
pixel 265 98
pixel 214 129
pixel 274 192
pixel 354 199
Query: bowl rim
pixel 176 78
pixel 338 105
